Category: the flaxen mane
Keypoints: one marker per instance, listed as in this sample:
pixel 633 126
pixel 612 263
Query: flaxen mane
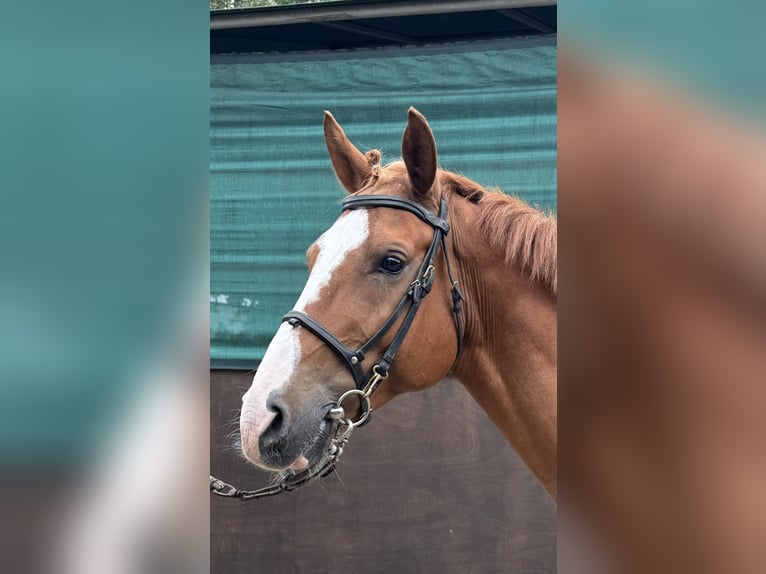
pixel 528 237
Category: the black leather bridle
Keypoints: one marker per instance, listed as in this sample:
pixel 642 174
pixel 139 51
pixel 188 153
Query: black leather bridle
pixel 366 383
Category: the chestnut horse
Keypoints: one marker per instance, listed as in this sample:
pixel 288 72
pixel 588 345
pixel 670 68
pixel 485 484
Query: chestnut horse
pixel 501 253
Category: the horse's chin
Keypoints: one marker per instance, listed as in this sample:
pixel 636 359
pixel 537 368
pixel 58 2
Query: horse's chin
pixel 313 454
pixel 302 465
pixel 303 462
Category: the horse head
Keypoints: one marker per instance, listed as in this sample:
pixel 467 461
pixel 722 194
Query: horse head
pixel 379 259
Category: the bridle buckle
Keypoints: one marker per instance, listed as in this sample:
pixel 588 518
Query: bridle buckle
pixel 374 381
pixel 427 280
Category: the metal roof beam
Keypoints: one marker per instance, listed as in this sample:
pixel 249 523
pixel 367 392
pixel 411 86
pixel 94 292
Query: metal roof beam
pixel 367 31
pixel 522 18
pixel 332 12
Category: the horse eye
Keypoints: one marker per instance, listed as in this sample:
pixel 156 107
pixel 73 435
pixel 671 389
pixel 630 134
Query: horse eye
pixel 392 265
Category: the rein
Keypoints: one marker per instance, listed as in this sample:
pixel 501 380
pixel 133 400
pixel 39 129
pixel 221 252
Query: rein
pixel 366 383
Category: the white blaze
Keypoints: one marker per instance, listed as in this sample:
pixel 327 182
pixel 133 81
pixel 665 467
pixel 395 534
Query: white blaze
pixel 284 352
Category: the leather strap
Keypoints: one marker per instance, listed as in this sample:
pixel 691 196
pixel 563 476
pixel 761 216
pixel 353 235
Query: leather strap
pixel 394 202
pixel 353 359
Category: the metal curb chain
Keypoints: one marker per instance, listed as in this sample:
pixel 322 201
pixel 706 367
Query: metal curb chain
pixel 324 467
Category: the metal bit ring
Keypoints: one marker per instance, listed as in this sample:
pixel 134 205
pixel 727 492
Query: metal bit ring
pixel 366 406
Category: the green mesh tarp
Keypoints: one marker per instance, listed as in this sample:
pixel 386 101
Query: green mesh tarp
pixel 492 107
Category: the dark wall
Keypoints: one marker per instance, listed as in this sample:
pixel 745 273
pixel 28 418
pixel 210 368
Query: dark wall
pixel 430 485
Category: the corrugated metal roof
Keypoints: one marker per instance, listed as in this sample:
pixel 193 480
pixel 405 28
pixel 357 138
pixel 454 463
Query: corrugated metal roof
pixel 348 25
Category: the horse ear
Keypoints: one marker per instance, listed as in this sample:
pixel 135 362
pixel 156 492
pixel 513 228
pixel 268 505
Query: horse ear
pixel 350 165
pixel 419 152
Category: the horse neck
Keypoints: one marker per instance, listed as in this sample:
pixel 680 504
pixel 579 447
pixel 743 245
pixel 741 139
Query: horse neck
pixel 508 363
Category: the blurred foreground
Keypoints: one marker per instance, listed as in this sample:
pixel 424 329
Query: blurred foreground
pixel 135 502
pixel 662 327
pixel 103 287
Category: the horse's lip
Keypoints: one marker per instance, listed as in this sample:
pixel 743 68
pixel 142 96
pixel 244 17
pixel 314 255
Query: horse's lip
pixel 300 464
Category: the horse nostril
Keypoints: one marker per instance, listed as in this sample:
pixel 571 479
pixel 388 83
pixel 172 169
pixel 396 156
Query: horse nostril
pixel 276 424
pixel 276 429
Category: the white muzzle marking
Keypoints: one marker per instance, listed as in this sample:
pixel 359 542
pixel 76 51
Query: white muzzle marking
pixel 284 352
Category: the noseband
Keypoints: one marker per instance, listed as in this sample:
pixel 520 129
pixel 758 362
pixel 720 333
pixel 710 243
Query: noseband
pixel 367 382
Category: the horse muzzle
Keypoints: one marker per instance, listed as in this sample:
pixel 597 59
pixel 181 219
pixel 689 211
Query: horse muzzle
pixel 281 440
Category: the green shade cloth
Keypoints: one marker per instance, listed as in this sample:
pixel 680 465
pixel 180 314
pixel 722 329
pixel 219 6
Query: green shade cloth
pixel 491 105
